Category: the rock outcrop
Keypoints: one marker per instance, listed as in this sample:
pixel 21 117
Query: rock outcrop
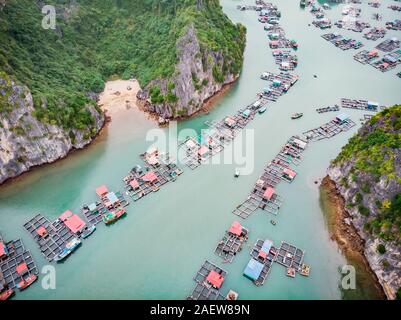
pixel 367 195
pixel 198 76
pixel 25 142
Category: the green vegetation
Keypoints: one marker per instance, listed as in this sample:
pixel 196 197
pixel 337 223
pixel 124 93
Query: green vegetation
pixel 96 40
pixel 374 152
pixel 381 248
pixel 398 294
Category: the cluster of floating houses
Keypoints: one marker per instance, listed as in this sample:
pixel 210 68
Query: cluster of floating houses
pixel 17 267
pixel 341 42
pixel 351 21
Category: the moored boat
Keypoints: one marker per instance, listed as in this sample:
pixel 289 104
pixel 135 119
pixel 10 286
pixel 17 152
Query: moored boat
pixel 236 174
pixel 262 110
pixel 69 248
pixel 297 115
pixel 88 231
pixel 110 217
pixel 25 283
pixel 6 294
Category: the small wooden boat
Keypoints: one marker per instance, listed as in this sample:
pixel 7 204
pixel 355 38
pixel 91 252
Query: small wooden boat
pixel 232 295
pixel 273 222
pixel 25 283
pixel 69 248
pixel 237 173
pixel 297 115
pixel 262 110
pixel 6 294
pixel 88 231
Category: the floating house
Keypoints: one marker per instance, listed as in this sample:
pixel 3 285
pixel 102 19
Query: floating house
pixel 150 177
pixel 3 250
pixel 72 221
pixel 253 270
pixel 299 143
pixel 342 118
pixel 230 122
pixel 289 174
pixel 102 191
pixel 372 105
pixel 269 193
pixel 203 152
pixel 111 200
pixel 215 279
pixel 246 113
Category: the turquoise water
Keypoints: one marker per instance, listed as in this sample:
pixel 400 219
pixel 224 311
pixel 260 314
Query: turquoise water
pixel 156 250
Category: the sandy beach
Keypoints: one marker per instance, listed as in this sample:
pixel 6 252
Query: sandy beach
pixel 119 95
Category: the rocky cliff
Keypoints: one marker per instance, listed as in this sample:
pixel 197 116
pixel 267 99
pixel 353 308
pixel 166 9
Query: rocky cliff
pixel 367 174
pixel 198 76
pixel 26 142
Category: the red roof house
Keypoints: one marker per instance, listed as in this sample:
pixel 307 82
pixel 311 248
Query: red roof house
pixel 268 193
pixel 149 177
pixel 67 214
pixel 134 184
pixel 215 279
pixel 203 150
pixel 74 223
pixel 262 254
pixel 236 228
pixel 41 231
pixel 22 268
pixel 3 250
pixel 288 172
pixel 102 191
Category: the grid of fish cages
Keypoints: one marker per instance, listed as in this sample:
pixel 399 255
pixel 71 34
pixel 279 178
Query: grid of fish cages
pixel 232 242
pixel 328 109
pixel 290 256
pixel 209 280
pixel 366 57
pixel 16 265
pixel 360 104
pixel 375 33
pixel 389 45
pixel 329 129
pixel 51 237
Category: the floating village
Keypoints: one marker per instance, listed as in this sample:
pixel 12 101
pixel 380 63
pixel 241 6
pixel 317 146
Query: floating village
pixel 58 239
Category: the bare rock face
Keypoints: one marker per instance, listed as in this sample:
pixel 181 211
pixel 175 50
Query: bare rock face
pixel 193 80
pixel 386 266
pixel 26 142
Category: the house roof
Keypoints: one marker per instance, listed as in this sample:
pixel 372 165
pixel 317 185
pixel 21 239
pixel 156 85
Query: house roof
pixel 253 269
pixel 268 194
pixel 134 184
pixel 74 223
pixel 41 231
pixel 64 216
pixel 289 173
pixel 101 191
pixel 111 196
pixel 236 228
pixel 203 150
pixel 22 268
pixel 3 250
pixel 215 279
pixel 149 176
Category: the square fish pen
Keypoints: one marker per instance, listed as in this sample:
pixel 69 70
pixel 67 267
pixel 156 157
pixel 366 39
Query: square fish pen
pixel 290 256
pixel 190 148
pixel 201 292
pixel 204 289
pixel 17 264
pixel 51 237
pixel 329 130
pixel 232 242
pixel 93 212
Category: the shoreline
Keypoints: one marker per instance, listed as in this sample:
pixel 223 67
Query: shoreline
pixel 349 242
pixel 108 112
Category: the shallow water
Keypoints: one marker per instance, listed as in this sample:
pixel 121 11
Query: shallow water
pixel 156 250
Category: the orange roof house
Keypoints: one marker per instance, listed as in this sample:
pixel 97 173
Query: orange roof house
pixel 268 193
pixel 215 279
pixel 101 191
pixel 236 228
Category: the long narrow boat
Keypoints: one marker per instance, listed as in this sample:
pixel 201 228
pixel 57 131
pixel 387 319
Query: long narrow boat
pixel 69 248
pixel 297 115
pixel 262 110
pixel 25 283
pixel 88 231
pixel 6 294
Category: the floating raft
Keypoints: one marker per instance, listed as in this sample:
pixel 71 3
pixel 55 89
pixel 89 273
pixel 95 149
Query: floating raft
pixel 375 33
pixel 209 280
pixel 328 109
pixel 263 194
pixel 232 242
pixel 360 104
pixel 263 255
pixel 366 57
pixel 330 129
pixel 51 237
pixel 290 256
pixel 341 42
pixel 389 45
pixel 16 264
